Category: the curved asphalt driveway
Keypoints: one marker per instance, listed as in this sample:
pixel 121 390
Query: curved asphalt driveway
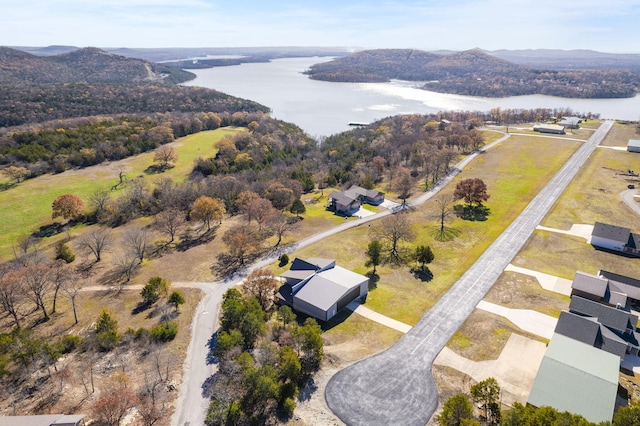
pixel 193 400
pixel 396 386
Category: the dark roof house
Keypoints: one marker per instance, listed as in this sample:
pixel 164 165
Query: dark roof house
pixel 616 238
pixel 601 326
pixel 608 288
pixel 349 201
pixel 319 288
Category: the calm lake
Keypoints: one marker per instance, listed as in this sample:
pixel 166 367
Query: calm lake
pixel 322 108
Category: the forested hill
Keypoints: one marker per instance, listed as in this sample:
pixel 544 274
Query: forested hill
pixel 475 73
pixel 88 65
pixel 90 81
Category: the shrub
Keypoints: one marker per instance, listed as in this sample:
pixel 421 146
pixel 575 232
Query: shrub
pixel 288 406
pixel 164 332
pixel 64 252
pixel 284 259
pixel 69 343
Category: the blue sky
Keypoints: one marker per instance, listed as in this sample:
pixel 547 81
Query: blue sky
pixel 610 26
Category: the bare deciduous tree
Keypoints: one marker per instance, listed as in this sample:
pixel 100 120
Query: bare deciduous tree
pixel 164 156
pixel 391 231
pixel 169 222
pixel 72 288
pixel 261 284
pixel 137 239
pixel 38 283
pixel 96 241
pixel 12 295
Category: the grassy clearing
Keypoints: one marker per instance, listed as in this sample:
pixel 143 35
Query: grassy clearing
pixel 27 206
pixel 518 291
pixel 483 336
pixel 594 193
pixel 514 173
pixel 563 255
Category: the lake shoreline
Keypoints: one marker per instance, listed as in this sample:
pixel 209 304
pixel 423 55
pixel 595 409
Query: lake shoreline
pixel 325 108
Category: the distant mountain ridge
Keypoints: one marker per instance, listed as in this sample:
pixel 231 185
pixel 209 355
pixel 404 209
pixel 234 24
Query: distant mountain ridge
pixel 88 65
pixel 475 73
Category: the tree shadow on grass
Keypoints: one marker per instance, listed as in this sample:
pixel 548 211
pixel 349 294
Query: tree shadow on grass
pixel 373 280
pixel 422 273
pixel 472 213
pixel 190 242
pixel 446 234
pixel 7 186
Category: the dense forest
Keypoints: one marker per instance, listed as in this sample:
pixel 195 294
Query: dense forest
pixel 21 104
pixel 88 65
pixel 475 73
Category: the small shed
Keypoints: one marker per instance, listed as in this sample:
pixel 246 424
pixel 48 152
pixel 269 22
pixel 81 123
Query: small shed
pixel 633 145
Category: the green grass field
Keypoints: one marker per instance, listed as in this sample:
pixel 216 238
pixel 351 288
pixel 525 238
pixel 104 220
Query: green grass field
pixel 27 206
pixel 514 172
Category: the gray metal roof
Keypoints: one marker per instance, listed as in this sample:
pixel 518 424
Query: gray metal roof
pixel 578 378
pixel 590 284
pixel 321 292
pixel 611 232
pixel 634 143
pixel 44 420
pixel 616 319
pixel 327 287
pixel 321 263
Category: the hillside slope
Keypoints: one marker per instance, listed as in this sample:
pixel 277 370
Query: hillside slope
pixel 88 65
pixel 476 73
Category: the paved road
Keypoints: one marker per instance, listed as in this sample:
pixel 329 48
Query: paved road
pixel 627 197
pixel 396 386
pixel 192 403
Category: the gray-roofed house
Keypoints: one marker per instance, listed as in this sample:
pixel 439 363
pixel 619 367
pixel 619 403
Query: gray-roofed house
pixel 578 378
pixel 349 201
pixel 607 287
pixel 616 238
pixel 633 145
pixel 43 420
pixel 319 288
pixel 601 326
pixel 571 122
pixel 589 331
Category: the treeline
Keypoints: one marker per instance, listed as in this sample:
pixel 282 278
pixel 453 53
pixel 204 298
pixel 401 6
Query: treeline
pixel 567 84
pixel 422 145
pixel 81 142
pixel 88 65
pixel 263 358
pixel 35 103
pixel 475 73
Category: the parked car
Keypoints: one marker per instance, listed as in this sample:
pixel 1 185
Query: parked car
pixel 631 186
